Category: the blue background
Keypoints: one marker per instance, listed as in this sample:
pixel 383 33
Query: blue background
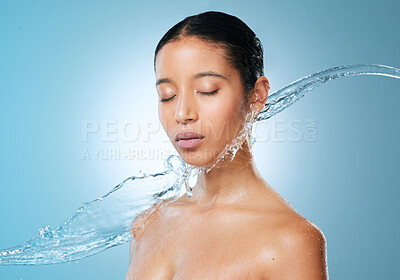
pixel 66 62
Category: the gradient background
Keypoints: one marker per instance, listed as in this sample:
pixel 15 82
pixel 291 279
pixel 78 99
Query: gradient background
pixel 66 62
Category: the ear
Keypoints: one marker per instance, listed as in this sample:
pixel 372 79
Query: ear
pixel 260 94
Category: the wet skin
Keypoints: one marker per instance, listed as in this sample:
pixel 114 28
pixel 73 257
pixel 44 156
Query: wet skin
pixel 235 226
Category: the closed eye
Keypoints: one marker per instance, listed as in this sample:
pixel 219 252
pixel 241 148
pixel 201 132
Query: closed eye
pixel 166 99
pixel 209 92
pixel 201 92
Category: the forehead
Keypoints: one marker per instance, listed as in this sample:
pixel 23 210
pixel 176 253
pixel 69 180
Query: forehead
pixel 191 54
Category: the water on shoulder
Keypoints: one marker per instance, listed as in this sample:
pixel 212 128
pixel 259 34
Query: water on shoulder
pixel 184 242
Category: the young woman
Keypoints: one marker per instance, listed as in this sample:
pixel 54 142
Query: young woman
pixel 211 84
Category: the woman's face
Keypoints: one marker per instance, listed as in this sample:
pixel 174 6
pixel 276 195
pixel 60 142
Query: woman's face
pixel 199 92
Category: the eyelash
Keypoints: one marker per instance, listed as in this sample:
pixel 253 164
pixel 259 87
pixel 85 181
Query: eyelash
pixel 208 93
pixel 201 92
pixel 166 99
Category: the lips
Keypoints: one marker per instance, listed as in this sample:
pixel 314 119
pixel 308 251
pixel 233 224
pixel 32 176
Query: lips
pixel 188 139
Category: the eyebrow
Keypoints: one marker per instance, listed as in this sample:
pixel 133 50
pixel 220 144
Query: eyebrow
pixel 197 76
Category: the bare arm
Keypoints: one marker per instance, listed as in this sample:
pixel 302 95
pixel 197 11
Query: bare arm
pixel 131 253
pixel 299 253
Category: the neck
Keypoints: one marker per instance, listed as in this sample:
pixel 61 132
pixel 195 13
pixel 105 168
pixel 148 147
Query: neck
pixel 228 182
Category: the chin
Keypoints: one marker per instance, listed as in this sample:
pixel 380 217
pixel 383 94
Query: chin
pixel 193 158
pixel 197 158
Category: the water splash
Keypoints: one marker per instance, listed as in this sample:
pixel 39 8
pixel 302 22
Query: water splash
pixel 107 221
pixel 102 223
pixel 288 95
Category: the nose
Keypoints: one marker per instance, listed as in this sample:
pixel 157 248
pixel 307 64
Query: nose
pixel 186 108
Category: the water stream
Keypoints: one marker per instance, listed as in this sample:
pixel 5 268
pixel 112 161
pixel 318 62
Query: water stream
pixel 107 221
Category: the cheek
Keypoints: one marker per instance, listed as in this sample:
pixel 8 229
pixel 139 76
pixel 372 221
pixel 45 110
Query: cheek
pixel 223 120
pixel 164 117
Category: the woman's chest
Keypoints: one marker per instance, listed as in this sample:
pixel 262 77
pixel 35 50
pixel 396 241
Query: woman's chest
pixel 218 259
pixel 190 252
pixel 209 261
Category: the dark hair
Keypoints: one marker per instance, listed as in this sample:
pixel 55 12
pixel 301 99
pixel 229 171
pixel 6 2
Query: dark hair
pixel 243 48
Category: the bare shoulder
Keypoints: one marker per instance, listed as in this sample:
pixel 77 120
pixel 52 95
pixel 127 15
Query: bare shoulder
pixel 297 250
pixel 147 229
pixel 148 217
pixel 300 236
pixel 142 220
